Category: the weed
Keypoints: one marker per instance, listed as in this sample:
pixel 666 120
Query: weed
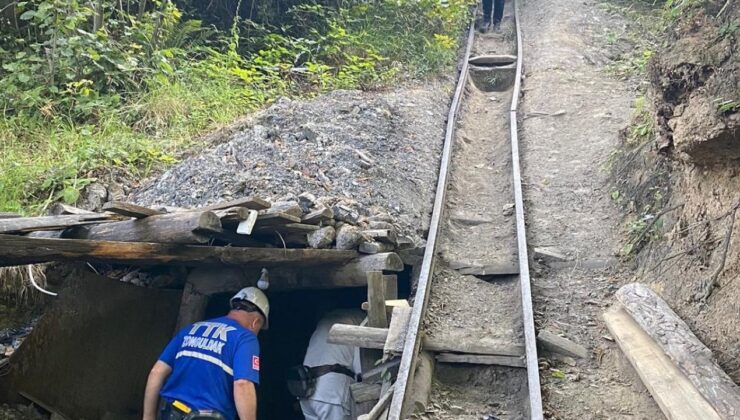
pixel 726 106
pixel 643 123
pixel 728 29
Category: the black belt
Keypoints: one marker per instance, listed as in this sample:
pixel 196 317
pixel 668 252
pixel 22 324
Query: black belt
pixel 317 371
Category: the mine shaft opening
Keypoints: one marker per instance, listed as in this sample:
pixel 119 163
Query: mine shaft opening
pixel 293 317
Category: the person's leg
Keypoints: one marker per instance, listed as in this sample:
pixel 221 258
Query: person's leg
pixel 309 410
pixel 487 8
pixel 498 11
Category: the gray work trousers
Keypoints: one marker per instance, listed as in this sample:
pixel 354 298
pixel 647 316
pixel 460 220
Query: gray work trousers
pixel 317 410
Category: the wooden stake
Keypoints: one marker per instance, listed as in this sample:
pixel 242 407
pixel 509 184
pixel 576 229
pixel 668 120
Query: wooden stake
pixel 376 315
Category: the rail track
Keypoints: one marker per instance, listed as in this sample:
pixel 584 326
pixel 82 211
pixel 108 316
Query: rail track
pixel 485 182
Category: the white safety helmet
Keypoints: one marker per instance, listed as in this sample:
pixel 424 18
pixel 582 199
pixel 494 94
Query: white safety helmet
pixel 255 296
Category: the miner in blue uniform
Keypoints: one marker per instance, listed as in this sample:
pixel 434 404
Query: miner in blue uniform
pixel 210 369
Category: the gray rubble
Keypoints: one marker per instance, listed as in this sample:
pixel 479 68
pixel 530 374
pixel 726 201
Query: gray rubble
pixel 370 152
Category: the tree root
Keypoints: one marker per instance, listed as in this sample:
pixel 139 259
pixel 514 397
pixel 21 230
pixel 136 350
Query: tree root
pixel 708 286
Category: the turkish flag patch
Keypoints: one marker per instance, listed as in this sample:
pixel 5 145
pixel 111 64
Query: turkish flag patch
pixel 256 363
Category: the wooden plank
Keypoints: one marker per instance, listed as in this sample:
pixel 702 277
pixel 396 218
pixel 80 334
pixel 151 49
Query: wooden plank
pixel 525 289
pixel 413 342
pixel 473 345
pixel 389 304
pixel 672 390
pixel 363 392
pixel 246 226
pixel 380 407
pixel 491 270
pixel 275 219
pixel 285 207
pixel 252 203
pixel 28 224
pixel 232 216
pixel 375 247
pixel 130 210
pixel 8 215
pixel 316 217
pixel 19 250
pixel 557 344
pixel 397 330
pixel 175 228
pixel 61 208
pixel 375 338
pixel 376 315
pixel 681 346
pixel 387 236
pixel 482 359
pixel 300 228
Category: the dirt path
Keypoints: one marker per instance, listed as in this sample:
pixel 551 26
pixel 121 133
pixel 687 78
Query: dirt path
pixel 568 205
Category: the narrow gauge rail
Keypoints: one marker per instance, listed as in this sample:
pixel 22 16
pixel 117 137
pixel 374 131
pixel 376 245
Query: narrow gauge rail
pixel 413 339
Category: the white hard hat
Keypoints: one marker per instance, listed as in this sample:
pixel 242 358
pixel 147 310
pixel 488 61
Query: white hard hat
pixel 256 297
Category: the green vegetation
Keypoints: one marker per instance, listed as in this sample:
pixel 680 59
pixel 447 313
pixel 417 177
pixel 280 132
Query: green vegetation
pixel 726 106
pixel 86 87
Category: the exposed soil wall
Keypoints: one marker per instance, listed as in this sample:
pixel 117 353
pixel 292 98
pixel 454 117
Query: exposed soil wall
pixel 690 250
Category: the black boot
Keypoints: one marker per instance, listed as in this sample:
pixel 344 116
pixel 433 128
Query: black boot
pixel 484 25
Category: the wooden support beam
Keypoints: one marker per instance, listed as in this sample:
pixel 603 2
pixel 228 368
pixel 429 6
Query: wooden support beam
pixel 130 210
pixel 391 286
pixel 358 336
pixel 682 347
pixel 29 224
pixel 482 359
pixel 378 262
pixel 375 338
pixel 672 390
pixel 171 228
pixel 252 203
pixel 421 387
pixel 309 274
pixel 19 250
pixel 192 306
pixel 376 315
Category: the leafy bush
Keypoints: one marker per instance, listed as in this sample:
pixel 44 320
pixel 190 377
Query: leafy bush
pixel 132 84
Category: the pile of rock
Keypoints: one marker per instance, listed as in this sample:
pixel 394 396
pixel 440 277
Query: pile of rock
pixel 343 224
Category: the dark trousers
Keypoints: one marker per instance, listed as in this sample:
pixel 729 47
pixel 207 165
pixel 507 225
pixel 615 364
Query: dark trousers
pixel 495 6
